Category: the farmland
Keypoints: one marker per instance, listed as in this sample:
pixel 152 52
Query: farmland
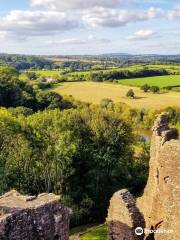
pixel 46 73
pixel 164 74
pixel 85 86
pixel 94 92
pixel 160 81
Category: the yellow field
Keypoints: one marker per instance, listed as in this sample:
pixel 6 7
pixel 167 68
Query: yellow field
pixel 94 92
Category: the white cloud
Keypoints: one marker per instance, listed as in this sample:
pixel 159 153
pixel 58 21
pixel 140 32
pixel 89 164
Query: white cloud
pixel 155 13
pixel 177 6
pixel 175 13
pixel 76 4
pixel 33 23
pixel 78 41
pixel 142 35
pixel 93 38
pixel 2 35
pixel 115 18
pixel 74 41
pixel 59 15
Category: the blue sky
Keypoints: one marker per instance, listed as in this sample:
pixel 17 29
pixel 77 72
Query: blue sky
pixel 89 27
pixel 7 5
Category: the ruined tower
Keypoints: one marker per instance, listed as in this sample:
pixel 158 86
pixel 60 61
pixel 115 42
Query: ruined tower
pixel 157 212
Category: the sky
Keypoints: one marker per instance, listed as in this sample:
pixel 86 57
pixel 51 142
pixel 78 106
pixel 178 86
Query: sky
pixel 69 27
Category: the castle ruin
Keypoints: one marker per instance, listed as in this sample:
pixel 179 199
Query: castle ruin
pixel 157 212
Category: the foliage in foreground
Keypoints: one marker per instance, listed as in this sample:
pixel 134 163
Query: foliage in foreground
pixel 85 155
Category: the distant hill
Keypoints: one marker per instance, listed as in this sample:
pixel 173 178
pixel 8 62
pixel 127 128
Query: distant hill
pixel 115 54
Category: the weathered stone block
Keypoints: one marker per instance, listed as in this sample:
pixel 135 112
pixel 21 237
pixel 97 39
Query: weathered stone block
pixel 33 218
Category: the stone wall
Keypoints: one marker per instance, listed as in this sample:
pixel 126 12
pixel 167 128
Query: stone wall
pixel 159 207
pixel 125 219
pixel 33 218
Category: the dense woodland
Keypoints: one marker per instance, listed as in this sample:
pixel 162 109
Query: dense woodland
pixel 22 62
pixel 83 152
pixel 125 74
pixel 84 63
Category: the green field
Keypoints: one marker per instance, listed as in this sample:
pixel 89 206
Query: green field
pixel 53 73
pixel 160 81
pixel 174 69
pixel 96 234
pixel 47 73
pixel 89 232
pixel 44 73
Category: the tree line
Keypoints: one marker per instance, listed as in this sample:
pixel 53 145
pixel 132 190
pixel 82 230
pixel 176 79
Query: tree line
pixel 114 75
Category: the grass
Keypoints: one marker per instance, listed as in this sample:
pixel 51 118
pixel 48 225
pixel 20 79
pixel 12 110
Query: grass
pixel 94 92
pixel 44 73
pixel 160 81
pixel 178 127
pixel 80 229
pixel 47 73
pixel 90 232
pixel 96 234
pixel 171 68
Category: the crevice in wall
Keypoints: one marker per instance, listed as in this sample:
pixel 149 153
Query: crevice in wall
pixel 166 179
pixel 157 175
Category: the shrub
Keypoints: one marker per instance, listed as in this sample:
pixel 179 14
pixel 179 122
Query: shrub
pixel 130 93
pixel 155 89
pixel 145 87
